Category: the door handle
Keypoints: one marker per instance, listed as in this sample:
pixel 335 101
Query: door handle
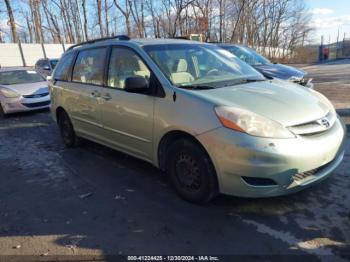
pixel 107 97
pixel 95 94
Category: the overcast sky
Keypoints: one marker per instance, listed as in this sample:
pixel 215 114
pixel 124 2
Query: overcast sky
pixel 328 17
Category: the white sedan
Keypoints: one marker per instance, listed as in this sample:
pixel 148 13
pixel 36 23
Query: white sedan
pixel 22 90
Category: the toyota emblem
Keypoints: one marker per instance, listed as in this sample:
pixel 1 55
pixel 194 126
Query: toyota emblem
pixel 324 122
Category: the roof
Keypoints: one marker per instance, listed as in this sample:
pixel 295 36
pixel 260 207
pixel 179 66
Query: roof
pixel 50 59
pixel 230 44
pixel 163 41
pixel 137 41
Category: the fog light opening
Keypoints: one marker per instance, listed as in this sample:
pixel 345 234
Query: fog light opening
pixel 258 181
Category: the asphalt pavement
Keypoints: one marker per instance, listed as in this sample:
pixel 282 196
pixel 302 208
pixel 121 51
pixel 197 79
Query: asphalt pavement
pixel 333 80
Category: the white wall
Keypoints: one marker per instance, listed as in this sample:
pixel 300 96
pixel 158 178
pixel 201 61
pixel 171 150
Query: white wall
pixel 11 56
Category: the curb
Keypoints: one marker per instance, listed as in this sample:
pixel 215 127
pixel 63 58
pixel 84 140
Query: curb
pixel 343 111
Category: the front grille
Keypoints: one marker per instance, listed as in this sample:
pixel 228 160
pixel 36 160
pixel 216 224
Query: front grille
pixel 36 95
pixel 39 104
pixel 314 127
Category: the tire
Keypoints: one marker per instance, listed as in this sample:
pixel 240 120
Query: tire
pixel 191 172
pixel 2 113
pixel 66 130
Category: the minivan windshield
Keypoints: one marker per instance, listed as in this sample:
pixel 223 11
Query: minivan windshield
pixel 200 65
pixel 248 55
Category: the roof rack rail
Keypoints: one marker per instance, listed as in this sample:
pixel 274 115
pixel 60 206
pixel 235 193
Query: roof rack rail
pixel 179 37
pixel 117 37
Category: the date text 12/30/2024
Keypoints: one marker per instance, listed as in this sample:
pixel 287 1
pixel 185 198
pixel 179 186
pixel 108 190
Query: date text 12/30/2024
pixel 173 258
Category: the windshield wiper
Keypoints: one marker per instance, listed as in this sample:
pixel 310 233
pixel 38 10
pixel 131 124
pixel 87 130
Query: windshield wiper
pixel 201 87
pixel 244 81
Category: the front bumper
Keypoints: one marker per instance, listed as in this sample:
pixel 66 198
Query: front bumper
pixel 236 155
pixel 21 104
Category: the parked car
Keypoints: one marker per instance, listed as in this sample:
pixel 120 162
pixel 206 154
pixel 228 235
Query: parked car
pixel 45 66
pixel 266 67
pixel 22 89
pixel 194 110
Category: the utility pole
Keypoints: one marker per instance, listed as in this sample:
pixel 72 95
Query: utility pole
pixel 338 37
pixel 320 52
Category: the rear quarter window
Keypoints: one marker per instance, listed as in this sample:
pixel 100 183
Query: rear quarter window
pixel 89 66
pixel 62 69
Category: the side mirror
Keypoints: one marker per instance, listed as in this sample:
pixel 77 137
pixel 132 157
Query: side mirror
pixel 136 84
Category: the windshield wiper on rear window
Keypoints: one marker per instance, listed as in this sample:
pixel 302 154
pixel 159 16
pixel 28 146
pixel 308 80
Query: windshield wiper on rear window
pixel 201 87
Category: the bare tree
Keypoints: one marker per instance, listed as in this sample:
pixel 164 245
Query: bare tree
pixel 99 16
pixel 275 27
pixel 155 18
pixel 83 4
pixel 137 12
pixel 126 13
pixel 11 21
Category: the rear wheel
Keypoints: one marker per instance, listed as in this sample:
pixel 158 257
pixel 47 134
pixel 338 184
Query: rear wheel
pixel 66 129
pixel 191 171
pixel 2 113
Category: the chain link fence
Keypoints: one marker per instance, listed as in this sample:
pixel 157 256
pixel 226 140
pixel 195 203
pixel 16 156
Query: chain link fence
pixel 334 51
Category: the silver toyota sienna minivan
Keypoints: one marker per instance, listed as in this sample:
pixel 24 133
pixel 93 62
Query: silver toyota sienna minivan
pixel 210 121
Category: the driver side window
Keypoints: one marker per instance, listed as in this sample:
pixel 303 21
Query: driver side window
pixel 125 63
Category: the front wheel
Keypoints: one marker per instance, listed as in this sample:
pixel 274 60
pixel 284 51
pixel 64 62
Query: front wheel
pixel 191 171
pixel 66 129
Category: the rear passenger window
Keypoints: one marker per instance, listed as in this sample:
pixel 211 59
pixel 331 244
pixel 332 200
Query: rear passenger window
pixel 62 70
pixel 89 66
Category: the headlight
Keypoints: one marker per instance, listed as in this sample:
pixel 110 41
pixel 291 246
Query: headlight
pixel 8 93
pixel 251 123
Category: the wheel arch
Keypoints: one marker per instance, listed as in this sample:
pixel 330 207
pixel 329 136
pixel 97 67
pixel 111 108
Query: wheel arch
pixel 169 138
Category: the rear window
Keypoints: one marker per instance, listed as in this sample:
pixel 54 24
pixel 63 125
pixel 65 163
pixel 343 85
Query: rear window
pixel 39 63
pixel 62 70
pixel 53 63
pixel 19 77
pixel 89 66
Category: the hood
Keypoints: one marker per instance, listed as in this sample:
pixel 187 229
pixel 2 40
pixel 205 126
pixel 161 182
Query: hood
pixel 30 88
pixel 279 71
pixel 287 103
